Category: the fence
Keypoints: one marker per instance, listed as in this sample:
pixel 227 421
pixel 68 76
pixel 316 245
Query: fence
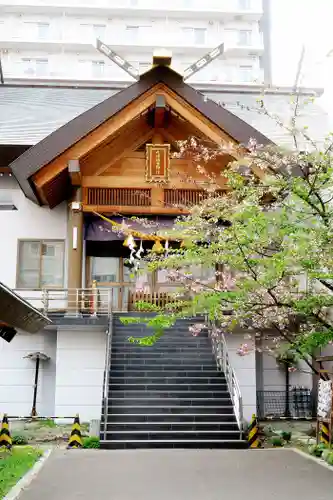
pixel 297 403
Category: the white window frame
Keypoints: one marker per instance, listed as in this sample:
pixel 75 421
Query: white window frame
pixel 34 65
pixel 248 71
pixel 248 35
pixel 40 242
pixel 194 32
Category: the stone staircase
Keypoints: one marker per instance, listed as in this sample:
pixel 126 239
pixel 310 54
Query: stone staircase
pixel 169 395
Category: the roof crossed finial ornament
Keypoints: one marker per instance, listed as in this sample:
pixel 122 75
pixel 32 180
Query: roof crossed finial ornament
pixel 128 68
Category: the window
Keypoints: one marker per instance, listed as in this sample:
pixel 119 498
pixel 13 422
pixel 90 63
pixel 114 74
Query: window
pixel 99 31
pixel 246 73
pixel 42 67
pixel 93 30
pixel 244 4
pixel 6 200
pixel 43 30
pixel 97 69
pixel 41 264
pixel 132 33
pixel 195 35
pixel 144 66
pixel 244 37
pixel 35 67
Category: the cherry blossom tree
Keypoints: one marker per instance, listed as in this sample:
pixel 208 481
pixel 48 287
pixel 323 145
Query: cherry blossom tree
pixel 269 239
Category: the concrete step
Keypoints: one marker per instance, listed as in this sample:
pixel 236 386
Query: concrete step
pixel 142 408
pixel 171 435
pixel 177 394
pixel 180 426
pixel 162 364
pixel 182 386
pixel 169 373
pixel 179 443
pixel 183 418
pixel 168 401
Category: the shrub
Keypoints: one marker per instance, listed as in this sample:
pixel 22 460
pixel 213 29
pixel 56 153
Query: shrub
pixel 19 439
pixel 286 435
pixel 317 450
pixel 325 454
pixel 277 441
pixel 91 442
pixel 329 458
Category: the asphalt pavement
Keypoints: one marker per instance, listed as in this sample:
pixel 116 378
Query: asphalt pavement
pixel 180 475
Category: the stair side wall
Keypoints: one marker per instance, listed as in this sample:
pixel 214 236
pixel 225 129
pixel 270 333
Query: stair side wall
pixel 80 371
pixel 245 369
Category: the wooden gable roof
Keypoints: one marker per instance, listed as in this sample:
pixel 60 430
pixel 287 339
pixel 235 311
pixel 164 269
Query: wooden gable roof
pixel 54 145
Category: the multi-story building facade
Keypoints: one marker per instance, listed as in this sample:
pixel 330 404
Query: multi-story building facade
pixel 53 40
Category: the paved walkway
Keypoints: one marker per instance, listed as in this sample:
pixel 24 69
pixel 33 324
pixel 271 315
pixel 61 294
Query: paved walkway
pixel 180 475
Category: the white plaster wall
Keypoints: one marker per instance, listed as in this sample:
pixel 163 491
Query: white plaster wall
pixel 48 374
pixel 80 370
pixel 17 374
pixel 245 369
pixel 29 221
pixel 274 375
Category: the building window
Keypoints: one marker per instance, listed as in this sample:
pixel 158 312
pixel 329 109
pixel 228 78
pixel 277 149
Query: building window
pixel 244 4
pixel 43 31
pixel 144 66
pixel 6 200
pixel 41 264
pixel 132 33
pixel 195 35
pixel 246 74
pixel 99 31
pixel 97 69
pixel 245 37
pixel 35 67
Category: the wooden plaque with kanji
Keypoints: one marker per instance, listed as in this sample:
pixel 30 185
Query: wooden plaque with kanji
pixel 157 162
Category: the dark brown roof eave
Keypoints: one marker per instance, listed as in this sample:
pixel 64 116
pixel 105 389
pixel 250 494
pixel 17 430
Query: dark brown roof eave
pixel 26 165
pixel 63 138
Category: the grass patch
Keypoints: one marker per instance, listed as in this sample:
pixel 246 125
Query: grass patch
pixel 14 464
pixel 47 423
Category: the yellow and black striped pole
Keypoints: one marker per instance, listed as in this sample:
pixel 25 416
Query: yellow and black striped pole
pixel 75 439
pixel 253 438
pixel 324 433
pixel 5 437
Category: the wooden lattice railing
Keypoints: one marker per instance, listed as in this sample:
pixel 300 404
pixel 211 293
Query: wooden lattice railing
pixel 185 197
pixel 159 299
pixel 130 197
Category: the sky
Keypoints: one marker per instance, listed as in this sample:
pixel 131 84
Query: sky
pixel 308 22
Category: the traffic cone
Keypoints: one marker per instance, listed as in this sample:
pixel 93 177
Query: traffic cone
pixel 5 437
pixel 75 439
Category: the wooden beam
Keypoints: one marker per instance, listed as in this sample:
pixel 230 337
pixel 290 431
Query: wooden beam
pixel 97 156
pixel 155 210
pixel 200 122
pixel 120 151
pixel 159 111
pixel 75 172
pixel 97 137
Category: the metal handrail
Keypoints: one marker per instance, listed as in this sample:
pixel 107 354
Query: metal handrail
pixel 92 301
pixel 221 353
pixel 107 370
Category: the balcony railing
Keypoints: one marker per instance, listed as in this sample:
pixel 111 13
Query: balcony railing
pixel 220 7
pixel 93 302
pixel 74 302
